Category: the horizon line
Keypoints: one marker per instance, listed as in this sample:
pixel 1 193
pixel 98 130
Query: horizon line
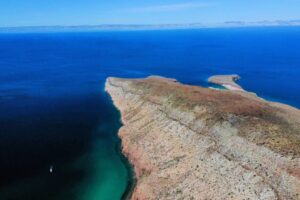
pixel 226 24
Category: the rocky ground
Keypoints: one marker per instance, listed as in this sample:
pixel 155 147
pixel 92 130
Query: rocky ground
pixel 189 142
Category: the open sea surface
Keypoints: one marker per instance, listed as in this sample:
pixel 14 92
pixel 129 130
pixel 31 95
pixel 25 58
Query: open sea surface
pixel 54 112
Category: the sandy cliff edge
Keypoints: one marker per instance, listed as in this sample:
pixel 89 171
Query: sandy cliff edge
pixel 189 142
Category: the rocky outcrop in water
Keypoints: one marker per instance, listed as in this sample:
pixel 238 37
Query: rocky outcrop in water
pixel 189 142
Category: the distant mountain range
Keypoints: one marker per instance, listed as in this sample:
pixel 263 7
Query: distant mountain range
pixel 228 24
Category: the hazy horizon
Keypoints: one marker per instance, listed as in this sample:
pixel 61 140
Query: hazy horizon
pixel 229 24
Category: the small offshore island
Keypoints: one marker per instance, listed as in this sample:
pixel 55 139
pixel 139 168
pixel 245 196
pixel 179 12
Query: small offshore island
pixel 227 81
pixel 190 142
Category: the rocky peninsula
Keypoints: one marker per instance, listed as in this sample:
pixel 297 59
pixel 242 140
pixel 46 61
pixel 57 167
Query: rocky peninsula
pixel 190 142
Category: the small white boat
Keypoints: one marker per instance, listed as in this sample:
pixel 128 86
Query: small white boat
pixel 51 168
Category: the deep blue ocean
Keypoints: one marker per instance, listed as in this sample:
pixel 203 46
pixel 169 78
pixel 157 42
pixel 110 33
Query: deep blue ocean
pixel 55 113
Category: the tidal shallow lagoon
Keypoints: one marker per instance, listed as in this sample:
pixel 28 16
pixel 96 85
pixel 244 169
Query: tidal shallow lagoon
pixel 54 110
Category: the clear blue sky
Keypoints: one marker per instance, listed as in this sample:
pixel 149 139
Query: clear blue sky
pixel 94 12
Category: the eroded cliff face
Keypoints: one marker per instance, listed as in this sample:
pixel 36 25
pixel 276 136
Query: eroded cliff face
pixel 188 142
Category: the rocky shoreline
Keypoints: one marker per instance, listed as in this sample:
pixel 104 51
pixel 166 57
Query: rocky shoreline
pixel 189 142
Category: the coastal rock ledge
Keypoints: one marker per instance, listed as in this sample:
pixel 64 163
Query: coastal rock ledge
pixel 189 142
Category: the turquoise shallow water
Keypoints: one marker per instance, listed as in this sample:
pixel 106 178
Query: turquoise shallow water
pixel 54 110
